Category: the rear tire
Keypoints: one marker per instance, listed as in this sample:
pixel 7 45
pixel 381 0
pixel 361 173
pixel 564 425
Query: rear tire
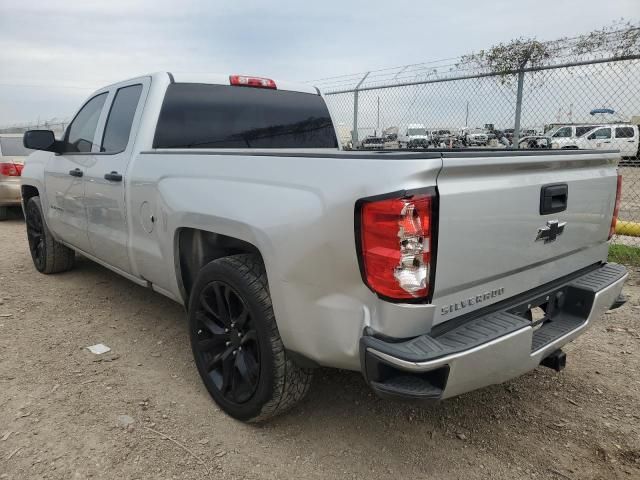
pixel 48 255
pixel 4 213
pixel 236 344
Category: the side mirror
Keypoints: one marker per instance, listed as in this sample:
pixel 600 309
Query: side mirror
pixel 41 140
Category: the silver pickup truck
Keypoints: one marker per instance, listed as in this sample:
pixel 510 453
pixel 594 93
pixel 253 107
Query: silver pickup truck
pixel 432 272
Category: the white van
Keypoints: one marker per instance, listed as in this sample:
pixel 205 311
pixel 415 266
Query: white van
pixel 623 137
pixel 563 134
pixel 416 136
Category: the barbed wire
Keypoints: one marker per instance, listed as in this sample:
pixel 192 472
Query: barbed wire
pixel 599 44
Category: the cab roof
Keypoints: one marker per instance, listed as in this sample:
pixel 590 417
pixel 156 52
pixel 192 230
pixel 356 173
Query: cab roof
pixel 223 79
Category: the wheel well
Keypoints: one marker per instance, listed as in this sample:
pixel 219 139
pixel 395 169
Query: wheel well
pixel 28 191
pixel 197 247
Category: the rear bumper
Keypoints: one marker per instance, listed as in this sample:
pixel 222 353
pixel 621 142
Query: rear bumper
pixel 492 348
pixel 10 192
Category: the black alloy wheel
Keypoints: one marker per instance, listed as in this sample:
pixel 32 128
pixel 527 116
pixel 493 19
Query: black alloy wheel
pixel 35 235
pixel 226 342
pixel 236 343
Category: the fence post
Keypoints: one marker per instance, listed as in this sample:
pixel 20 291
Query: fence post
pixel 516 128
pixel 354 132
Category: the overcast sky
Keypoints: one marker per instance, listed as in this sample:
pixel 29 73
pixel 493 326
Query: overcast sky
pixel 54 53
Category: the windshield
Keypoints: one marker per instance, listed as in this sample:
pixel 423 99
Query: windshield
pixel 12 147
pixel 416 131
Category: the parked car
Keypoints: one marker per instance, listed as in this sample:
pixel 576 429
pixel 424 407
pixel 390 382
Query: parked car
pixel 444 137
pixel 476 137
pixel 229 195
pixel 418 143
pixel 623 137
pixel 535 141
pixel 372 143
pixel 525 132
pixel 417 136
pixel 12 155
pixel 508 133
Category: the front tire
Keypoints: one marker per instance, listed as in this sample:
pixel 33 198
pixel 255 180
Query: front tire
pixel 236 344
pixel 48 255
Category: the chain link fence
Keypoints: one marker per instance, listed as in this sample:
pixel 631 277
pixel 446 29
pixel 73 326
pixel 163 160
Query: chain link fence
pixel 582 105
pixel 592 104
pixel 56 125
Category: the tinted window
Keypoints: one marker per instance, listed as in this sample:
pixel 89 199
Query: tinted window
pixel 83 128
pixel 600 134
pixel 564 132
pixel 624 132
pixel 219 116
pixel 580 131
pixel 13 147
pixel 118 127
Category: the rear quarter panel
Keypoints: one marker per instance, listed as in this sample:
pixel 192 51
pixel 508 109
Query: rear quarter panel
pixel 299 213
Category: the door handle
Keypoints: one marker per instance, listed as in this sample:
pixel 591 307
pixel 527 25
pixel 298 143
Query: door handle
pixel 113 177
pixel 553 198
pixel 76 172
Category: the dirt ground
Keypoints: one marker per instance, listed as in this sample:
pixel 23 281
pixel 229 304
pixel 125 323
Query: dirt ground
pixel 61 406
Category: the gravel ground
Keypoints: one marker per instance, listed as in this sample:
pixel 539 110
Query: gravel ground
pixel 141 412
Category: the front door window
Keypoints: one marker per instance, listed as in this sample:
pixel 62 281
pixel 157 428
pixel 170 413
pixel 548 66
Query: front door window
pixel 82 130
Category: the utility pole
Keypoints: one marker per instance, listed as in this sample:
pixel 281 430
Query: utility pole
pixel 516 130
pixel 466 118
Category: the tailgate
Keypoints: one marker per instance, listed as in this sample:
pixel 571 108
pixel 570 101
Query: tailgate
pixel 490 218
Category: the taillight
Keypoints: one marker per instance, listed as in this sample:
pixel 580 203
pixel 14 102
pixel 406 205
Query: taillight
pixel 10 169
pixel 246 81
pixel 616 208
pixel 396 244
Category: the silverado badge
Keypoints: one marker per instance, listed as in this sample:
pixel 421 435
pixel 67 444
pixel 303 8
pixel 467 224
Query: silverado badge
pixel 551 231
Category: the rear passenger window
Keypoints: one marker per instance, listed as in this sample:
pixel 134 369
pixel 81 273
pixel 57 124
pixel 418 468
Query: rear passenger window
pixel 219 116
pixel 624 132
pixel 580 131
pixel 82 130
pixel 118 127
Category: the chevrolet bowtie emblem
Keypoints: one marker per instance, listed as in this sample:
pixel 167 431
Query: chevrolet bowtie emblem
pixel 551 231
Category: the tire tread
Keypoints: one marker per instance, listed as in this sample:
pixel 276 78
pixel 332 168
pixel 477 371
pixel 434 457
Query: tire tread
pixel 291 382
pixel 58 257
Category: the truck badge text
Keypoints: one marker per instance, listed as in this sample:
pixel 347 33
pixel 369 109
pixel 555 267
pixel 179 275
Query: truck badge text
pixel 468 302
